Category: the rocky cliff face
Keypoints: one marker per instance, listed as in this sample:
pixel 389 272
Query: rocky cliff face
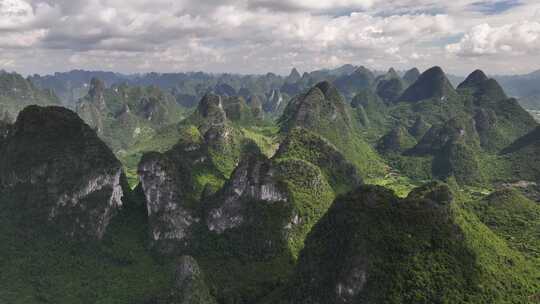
pixel 189 283
pixel 254 180
pixel 161 181
pixel 174 181
pixel 53 165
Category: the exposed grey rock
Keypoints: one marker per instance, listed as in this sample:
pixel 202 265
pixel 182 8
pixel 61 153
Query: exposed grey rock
pixel 252 180
pixel 189 286
pixel 169 218
pixel 55 166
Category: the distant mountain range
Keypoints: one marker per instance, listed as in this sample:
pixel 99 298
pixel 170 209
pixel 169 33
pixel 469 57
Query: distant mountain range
pixel 189 87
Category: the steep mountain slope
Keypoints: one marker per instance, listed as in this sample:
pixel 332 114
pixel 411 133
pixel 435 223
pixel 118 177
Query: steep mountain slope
pixel 123 115
pixel 244 219
pixel 514 218
pixel 16 93
pixel 350 84
pixel 372 247
pixel 430 84
pixel 53 166
pixel 323 111
pixel 71 231
pixel 459 131
pixel 173 181
pixel 411 76
pixel 523 156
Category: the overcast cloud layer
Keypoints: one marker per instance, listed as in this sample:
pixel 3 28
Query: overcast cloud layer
pixel 259 36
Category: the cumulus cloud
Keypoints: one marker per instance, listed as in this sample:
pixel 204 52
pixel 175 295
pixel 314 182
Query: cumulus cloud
pixel 511 39
pixel 252 36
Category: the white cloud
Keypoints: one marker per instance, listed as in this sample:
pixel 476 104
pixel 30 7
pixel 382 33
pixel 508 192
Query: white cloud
pixel 511 39
pixel 258 36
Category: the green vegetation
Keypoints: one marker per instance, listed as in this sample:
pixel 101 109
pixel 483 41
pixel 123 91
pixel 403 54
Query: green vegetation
pixel 334 202
pixel 40 266
pixel 421 249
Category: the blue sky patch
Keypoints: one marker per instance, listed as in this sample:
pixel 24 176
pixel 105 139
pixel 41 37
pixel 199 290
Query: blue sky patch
pixel 495 7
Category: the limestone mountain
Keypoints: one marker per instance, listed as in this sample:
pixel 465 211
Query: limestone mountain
pixel 350 84
pixel 524 157
pixel 411 75
pixel 256 106
pixel 122 115
pixel 322 110
pixel 454 146
pixel 250 196
pixel 294 76
pixel 54 167
pixel 206 153
pixel 456 130
pixel 275 102
pixel 389 86
pixel 499 119
pixel 397 140
pixel 303 144
pixel 372 247
pixel 16 93
pixel 430 84
pixel 261 209
pixel 419 128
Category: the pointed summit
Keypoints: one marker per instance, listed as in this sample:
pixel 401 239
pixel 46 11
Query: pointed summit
pixel 211 110
pixel 431 84
pixel 391 74
pixel 294 76
pixel 481 86
pixel 97 86
pixel 475 79
pixel 411 75
pixel 389 86
pixel 349 85
pixel 329 90
pixel 96 92
pixel 320 105
pixel 67 177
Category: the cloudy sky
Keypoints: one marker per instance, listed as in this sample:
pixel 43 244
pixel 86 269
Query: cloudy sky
pixel 259 36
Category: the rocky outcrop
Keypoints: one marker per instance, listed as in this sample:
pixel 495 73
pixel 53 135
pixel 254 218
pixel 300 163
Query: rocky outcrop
pixel 96 93
pixel 294 76
pixel 253 180
pixel 256 107
pixel 189 283
pixel 274 101
pixel 54 166
pixel 211 112
pixel 161 180
pixel 173 181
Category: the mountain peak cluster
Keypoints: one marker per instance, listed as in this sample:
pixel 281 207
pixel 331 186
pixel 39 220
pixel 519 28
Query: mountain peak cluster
pixel 334 186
